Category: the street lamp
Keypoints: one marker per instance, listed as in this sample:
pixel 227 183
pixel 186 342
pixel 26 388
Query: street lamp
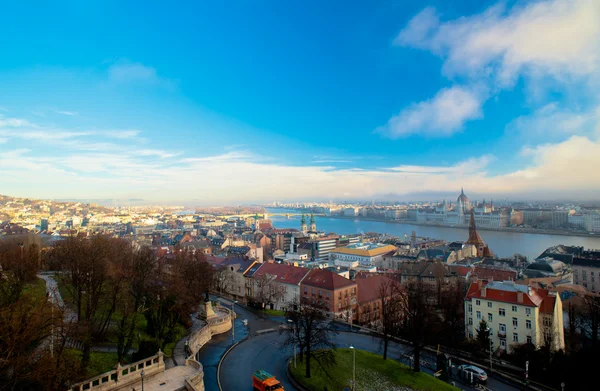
pixel 490 336
pixel 291 322
pixel 353 368
pixel 233 321
pixel 142 375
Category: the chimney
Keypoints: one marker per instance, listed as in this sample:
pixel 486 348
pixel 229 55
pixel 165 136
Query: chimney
pixel 483 291
pixel 520 297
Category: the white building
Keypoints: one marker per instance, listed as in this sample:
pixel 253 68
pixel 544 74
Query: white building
pixel 360 254
pixel 515 314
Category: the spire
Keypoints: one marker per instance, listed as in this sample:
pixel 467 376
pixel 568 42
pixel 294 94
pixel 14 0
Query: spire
pixel 472 227
pixel 303 220
pixel 462 191
pixel 312 218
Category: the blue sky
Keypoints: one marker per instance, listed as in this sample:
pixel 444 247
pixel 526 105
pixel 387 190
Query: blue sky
pixel 251 101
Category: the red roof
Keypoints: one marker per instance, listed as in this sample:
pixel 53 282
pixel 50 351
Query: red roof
pixel 325 279
pixel 532 299
pixel 286 274
pixel 459 269
pixel 368 286
pixel 214 260
pixel 487 273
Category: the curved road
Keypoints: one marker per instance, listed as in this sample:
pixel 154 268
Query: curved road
pixel 265 352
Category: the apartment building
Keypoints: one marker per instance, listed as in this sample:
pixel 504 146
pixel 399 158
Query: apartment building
pixel 586 271
pixel 360 254
pixel 284 281
pixel 335 294
pixel 515 314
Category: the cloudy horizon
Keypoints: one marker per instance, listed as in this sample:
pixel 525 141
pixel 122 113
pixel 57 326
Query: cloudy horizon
pixel 499 98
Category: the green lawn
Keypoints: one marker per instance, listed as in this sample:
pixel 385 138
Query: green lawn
pixel 274 312
pixel 99 362
pixel 372 373
pixel 36 288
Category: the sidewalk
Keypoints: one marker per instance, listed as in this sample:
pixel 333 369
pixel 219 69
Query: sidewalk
pixel 179 353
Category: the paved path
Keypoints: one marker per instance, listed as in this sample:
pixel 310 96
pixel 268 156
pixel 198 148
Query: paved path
pixel 54 293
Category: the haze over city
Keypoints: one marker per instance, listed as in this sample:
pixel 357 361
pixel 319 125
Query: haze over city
pixel 278 103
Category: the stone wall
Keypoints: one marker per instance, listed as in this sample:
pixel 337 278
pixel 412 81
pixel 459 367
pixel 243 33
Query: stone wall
pixel 123 376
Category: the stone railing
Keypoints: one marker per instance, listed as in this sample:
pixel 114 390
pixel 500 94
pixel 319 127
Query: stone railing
pixel 123 376
pixel 197 339
pixel 196 381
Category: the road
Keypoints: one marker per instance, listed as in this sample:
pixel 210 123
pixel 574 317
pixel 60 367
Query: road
pixel 265 352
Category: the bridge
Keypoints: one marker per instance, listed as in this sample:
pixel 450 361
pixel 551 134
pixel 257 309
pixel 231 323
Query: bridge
pixel 267 215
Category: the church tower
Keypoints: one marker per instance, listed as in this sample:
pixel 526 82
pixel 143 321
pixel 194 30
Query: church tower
pixel 474 239
pixel 303 224
pixel 313 225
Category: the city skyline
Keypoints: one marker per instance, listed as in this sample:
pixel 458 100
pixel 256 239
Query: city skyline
pixel 410 102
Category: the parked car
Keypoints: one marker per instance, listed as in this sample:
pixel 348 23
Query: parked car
pixel 478 373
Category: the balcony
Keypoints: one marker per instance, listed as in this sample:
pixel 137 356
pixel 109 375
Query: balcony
pixel 502 334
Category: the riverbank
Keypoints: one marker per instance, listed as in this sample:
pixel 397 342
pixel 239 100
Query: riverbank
pixel 534 231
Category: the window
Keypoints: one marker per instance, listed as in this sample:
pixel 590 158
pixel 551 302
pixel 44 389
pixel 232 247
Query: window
pixel 490 317
pixel 501 312
pixel 514 308
pixel 584 275
pixel 470 307
pixel 478 314
pixel 489 304
pixel 477 302
pixel 515 337
pixel 529 340
pixel 528 324
pixel 515 322
pixel 502 328
pixel 547 321
pixel 470 321
pixel 503 343
pixel 528 311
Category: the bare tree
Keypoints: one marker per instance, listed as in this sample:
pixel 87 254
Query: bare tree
pixel 267 290
pixel 310 330
pixel 589 320
pixel 419 321
pixel 391 312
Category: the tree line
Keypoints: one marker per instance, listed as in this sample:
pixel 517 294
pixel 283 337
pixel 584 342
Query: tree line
pixel 113 291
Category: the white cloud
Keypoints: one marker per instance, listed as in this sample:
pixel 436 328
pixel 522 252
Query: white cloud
pixel 3 140
pixel 554 123
pixel 126 72
pixel 442 115
pixel 68 113
pixel 13 122
pixel 557 38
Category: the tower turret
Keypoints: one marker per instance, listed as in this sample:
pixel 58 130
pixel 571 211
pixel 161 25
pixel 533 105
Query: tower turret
pixel 313 225
pixel 303 224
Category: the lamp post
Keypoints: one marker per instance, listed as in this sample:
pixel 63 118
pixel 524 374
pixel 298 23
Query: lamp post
pixel 233 321
pixel 142 375
pixel 353 368
pixel 491 345
pixel 291 322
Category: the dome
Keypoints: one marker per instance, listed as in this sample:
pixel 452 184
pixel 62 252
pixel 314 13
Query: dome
pixel 462 198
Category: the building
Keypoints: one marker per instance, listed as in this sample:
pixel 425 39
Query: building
pixel 284 279
pixel 475 240
pixel 537 217
pixel 360 254
pixel 370 298
pixel 316 248
pixel 515 314
pixel 337 295
pixel 586 271
pixel 231 276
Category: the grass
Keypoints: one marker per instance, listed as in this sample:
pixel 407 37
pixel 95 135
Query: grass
pixel 141 325
pixel 99 362
pixel 274 312
pixel 36 288
pixel 372 373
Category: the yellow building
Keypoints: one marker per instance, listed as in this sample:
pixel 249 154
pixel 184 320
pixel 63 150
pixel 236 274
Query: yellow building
pixel 515 314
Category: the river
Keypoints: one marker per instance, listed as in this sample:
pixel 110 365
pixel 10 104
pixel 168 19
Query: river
pixel 503 244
